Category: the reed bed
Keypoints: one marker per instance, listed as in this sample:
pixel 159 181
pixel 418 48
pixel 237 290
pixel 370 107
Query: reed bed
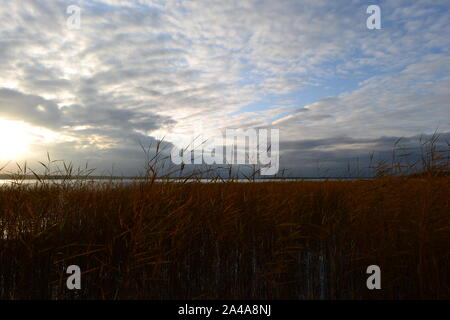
pixel 229 240
pixel 294 240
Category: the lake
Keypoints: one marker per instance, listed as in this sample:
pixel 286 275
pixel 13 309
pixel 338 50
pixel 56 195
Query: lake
pixel 128 181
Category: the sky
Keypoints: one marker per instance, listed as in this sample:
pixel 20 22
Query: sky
pixel 138 71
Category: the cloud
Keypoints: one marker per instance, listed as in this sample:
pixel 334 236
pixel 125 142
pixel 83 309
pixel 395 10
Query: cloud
pixel 142 69
pixel 34 109
pixel 343 156
pixel 413 100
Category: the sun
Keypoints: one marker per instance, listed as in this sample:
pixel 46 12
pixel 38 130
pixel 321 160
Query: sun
pixel 14 140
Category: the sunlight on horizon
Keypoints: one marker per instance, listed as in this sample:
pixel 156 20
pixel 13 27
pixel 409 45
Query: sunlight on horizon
pixel 14 140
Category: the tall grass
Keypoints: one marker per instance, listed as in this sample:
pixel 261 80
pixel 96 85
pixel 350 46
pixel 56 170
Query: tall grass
pixel 281 240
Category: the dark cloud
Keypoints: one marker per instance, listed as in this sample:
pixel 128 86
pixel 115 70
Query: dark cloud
pixel 34 109
pixel 343 156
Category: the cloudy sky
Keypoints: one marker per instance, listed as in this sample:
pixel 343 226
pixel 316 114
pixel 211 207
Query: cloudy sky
pixel 136 71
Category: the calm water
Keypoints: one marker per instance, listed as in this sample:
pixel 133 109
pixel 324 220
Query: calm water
pixel 126 181
pixel 57 181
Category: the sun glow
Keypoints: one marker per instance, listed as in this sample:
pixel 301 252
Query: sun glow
pixel 14 140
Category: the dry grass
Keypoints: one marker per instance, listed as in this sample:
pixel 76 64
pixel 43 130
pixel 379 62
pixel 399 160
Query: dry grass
pixel 282 240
